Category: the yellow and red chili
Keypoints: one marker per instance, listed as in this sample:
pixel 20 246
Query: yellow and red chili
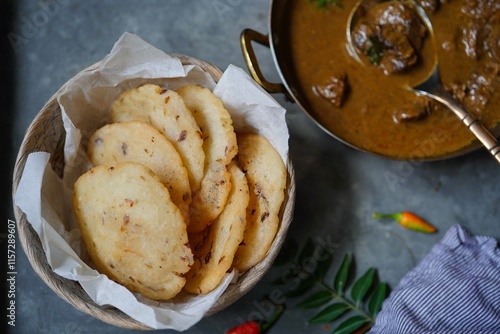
pixel 408 220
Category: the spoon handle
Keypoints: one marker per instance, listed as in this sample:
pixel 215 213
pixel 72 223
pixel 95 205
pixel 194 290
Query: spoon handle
pixel 488 140
pixel 477 128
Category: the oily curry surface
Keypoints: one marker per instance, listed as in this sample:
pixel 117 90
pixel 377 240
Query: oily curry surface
pixel 372 109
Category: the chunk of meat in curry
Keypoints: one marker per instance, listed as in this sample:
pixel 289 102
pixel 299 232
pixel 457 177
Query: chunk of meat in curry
pixel 396 30
pixel 376 112
pixel 335 90
pixel 480 40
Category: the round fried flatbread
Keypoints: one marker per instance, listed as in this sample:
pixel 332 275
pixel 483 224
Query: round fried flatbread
pixel 166 111
pixel 266 175
pixel 220 147
pixel 141 142
pixel 214 252
pixel 133 232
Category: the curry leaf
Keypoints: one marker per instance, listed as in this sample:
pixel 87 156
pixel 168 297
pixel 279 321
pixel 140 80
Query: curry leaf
pixel 376 51
pixel 329 313
pixel 308 270
pixel 342 275
pixel 316 300
pixel 362 285
pixel 350 325
pixel 377 299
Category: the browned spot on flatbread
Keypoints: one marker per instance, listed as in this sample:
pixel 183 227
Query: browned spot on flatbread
pixel 182 135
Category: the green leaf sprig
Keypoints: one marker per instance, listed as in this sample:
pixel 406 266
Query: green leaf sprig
pixel 323 4
pixel 376 51
pixel 360 306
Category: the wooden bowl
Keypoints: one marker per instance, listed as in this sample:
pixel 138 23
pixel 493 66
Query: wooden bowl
pixel 46 133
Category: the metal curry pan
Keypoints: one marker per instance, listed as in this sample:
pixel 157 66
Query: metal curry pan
pixel 277 41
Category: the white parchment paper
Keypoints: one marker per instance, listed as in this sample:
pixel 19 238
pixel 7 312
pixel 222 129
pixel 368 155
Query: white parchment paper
pixel 85 106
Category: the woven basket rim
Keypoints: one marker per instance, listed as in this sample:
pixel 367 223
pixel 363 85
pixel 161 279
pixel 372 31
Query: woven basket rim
pixel 71 291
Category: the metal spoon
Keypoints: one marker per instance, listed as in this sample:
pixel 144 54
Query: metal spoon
pixel 432 86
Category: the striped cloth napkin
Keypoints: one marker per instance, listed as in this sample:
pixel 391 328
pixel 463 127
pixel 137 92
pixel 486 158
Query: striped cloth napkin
pixel 455 289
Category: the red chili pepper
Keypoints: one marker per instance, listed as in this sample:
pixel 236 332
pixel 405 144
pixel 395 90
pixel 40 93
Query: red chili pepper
pixel 250 327
pixel 408 220
pixel 253 327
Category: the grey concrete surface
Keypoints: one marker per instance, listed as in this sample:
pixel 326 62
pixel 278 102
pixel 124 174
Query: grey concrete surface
pixel 338 188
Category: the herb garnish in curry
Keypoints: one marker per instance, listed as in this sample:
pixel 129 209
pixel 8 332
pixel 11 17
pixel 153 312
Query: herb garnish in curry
pixel 369 106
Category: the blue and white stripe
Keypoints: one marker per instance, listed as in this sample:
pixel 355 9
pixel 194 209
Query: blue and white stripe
pixel 454 290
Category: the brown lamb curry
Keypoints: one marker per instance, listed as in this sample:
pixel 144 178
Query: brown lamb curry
pixel 370 106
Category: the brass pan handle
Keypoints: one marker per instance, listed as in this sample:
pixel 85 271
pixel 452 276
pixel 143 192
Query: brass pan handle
pixel 247 37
